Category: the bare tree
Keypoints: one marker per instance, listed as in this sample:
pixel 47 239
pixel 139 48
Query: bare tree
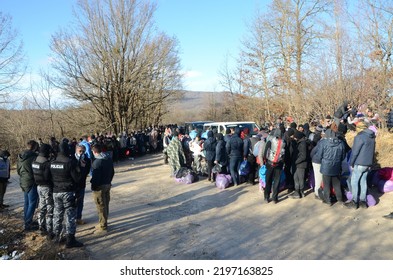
pixel 12 66
pixel 114 60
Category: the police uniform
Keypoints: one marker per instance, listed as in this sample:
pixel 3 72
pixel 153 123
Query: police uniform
pixel 65 173
pixel 42 177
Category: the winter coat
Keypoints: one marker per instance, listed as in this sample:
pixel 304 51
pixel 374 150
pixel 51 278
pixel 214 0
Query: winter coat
pixel 389 119
pixel 227 138
pixel 235 146
pixel 102 172
pixel 314 153
pixel 175 153
pixel 331 153
pixel 25 170
pixel 300 156
pixel 210 146
pixel 221 153
pixel 363 148
pixel 81 184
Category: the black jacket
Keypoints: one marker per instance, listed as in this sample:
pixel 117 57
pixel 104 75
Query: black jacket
pixel 41 171
pixel 65 173
pixel 210 146
pixel 221 153
pixel 102 172
pixel 300 156
pixel 81 183
pixel 235 147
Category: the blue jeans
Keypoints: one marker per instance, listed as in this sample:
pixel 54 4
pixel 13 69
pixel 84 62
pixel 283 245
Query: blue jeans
pixel 359 180
pixel 234 165
pixel 31 200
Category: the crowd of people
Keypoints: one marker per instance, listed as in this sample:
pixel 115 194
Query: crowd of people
pixel 296 150
pixel 53 175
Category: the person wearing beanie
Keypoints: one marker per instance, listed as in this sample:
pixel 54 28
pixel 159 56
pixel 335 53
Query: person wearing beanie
pixel 27 184
pixel 235 152
pixel 299 164
pixel 65 174
pixel 43 180
pixel 5 169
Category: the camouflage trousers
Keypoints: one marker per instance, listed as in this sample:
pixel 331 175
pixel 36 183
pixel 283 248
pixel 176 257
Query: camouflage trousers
pixel 64 207
pixel 46 204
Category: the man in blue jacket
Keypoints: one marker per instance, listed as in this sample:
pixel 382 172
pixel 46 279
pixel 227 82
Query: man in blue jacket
pixel 362 158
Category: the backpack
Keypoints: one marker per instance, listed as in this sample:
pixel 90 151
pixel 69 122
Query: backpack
pixel 276 152
pixel 255 151
pixel 4 168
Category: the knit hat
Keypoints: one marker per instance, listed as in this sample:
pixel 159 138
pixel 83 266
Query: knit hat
pixel 319 128
pixel 63 148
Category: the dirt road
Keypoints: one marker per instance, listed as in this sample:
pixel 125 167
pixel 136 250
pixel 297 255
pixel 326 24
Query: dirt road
pixel 153 218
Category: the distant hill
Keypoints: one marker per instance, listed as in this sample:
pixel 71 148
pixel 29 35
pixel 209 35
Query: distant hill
pixel 192 105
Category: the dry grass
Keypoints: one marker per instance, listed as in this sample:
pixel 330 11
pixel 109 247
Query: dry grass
pixel 384 147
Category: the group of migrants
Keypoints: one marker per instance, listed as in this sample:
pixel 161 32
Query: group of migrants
pixel 53 178
pixel 285 147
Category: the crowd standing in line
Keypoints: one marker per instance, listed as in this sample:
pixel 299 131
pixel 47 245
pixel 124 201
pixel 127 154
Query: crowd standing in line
pixel 53 176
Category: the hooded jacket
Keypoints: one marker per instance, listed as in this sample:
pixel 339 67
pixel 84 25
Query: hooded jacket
pixel 25 170
pixel 331 153
pixel 363 148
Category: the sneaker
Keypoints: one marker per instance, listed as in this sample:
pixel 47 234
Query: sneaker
pixel 363 204
pixel 351 204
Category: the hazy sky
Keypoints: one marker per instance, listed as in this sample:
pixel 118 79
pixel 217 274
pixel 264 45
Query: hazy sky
pixel 208 31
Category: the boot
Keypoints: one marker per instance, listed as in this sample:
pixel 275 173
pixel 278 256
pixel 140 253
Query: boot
pixel 60 239
pixel 72 242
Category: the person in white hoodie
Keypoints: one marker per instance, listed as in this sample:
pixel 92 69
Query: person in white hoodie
pixel 196 149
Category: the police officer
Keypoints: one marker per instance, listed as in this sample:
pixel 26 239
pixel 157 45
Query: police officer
pixel 43 180
pixel 65 173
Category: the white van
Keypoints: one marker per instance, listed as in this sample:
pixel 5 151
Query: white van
pixel 221 127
